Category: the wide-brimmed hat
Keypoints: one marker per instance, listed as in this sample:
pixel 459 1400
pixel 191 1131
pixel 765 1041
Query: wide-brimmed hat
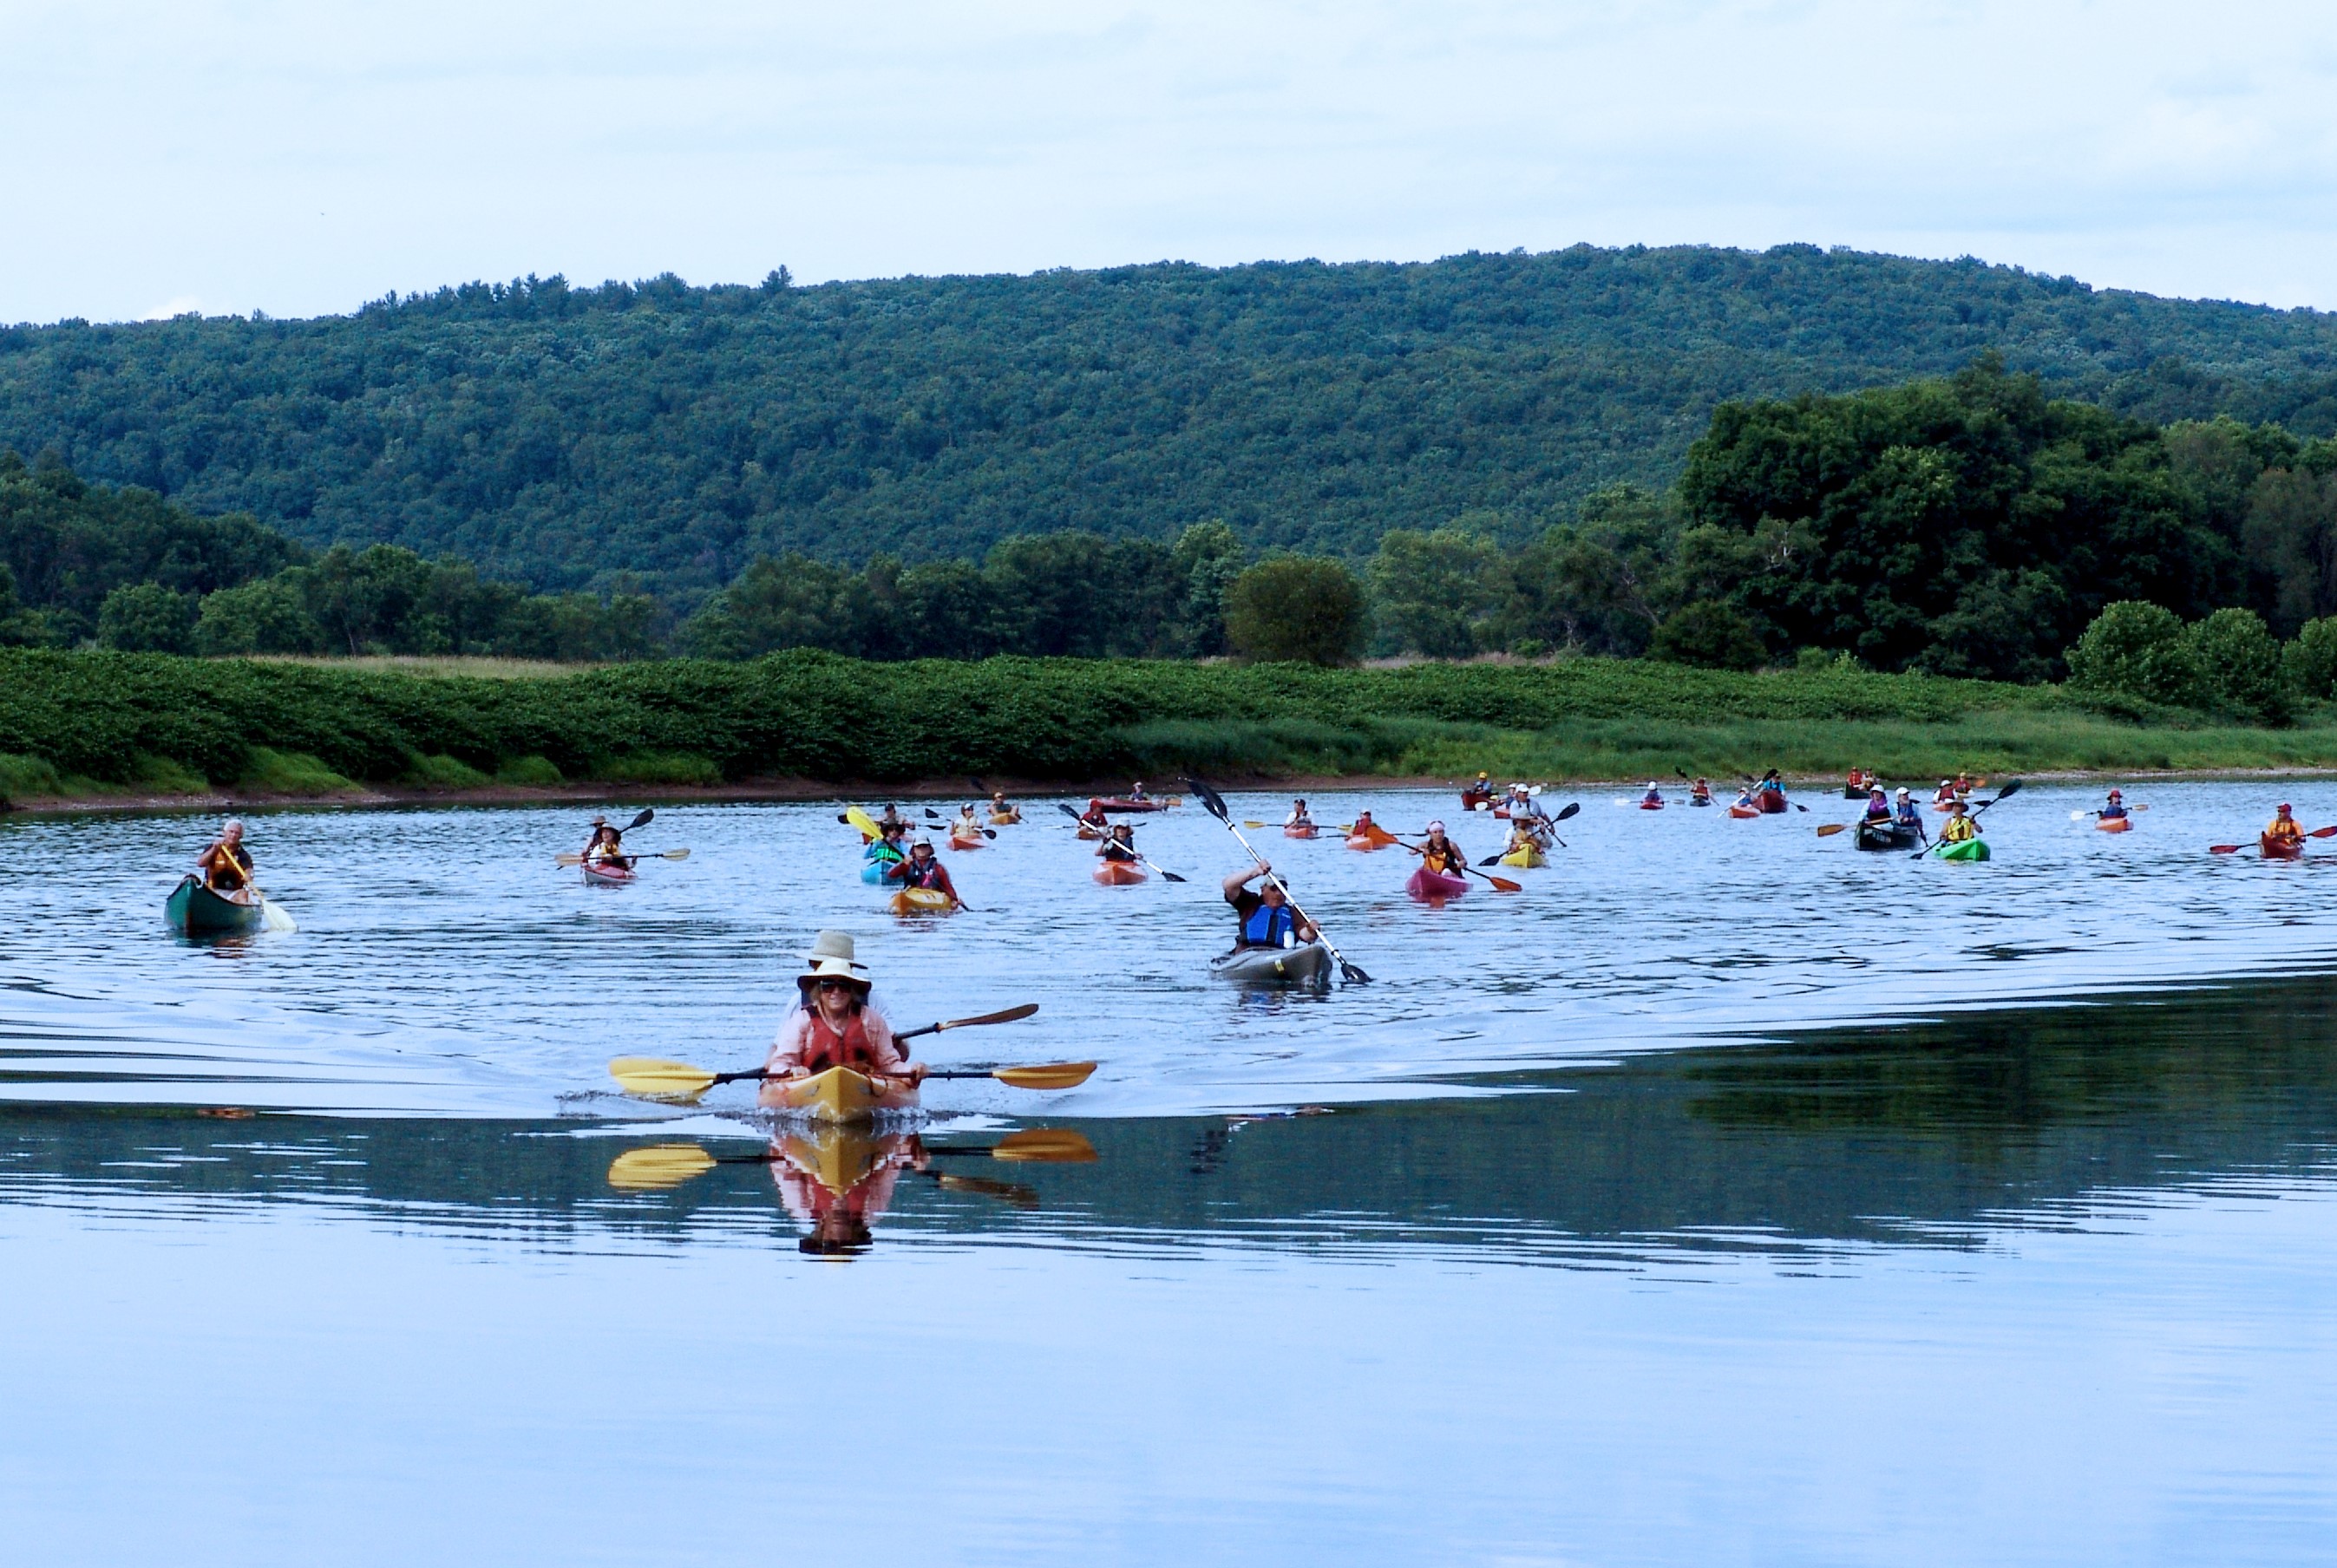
pixel 2116 795
pixel 831 945
pixel 833 969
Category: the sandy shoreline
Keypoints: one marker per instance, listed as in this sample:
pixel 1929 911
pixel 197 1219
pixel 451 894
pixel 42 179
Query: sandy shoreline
pixel 798 789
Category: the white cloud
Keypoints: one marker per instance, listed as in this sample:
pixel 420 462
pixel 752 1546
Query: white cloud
pixel 302 157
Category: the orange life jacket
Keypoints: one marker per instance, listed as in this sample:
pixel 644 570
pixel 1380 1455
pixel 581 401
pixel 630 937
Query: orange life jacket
pixel 824 1048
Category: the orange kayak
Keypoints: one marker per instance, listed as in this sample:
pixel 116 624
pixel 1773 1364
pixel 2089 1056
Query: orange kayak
pixel 1744 811
pixel 1120 873
pixel 1299 833
pixel 922 901
pixel 958 843
pixel 1378 838
pixel 2114 825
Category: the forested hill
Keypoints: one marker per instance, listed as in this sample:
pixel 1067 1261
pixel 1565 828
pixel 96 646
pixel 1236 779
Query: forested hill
pixel 561 435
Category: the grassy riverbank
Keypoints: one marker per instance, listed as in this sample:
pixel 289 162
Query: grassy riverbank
pixel 82 725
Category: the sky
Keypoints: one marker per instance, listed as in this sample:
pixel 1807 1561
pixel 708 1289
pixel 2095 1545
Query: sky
pixel 302 157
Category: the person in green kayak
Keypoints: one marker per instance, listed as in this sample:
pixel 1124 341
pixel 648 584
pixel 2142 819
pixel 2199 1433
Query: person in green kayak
pixel 225 863
pixel 922 870
pixel 1119 844
pixel 1263 915
pixel 1959 828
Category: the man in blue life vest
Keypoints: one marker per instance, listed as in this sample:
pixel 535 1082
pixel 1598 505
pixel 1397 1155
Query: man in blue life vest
pixel 1265 917
pixel 1908 815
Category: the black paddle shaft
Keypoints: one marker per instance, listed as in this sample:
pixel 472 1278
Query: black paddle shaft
pixel 2011 787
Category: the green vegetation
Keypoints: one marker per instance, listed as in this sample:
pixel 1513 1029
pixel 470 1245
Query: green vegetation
pixel 147 722
pixel 565 436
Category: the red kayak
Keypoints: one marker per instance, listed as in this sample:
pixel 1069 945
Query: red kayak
pixel 1435 887
pixel 1651 806
pixel 2274 849
pixel 1772 801
pixel 1121 803
pixel 607 876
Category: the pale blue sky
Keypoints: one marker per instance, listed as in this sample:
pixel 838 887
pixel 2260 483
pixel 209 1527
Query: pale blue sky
pixel 301 158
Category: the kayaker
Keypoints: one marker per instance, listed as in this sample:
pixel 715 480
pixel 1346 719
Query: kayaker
pixel 2115 810
pixel 1655 795
pixel 886 846
pixel 1441 855
pixel 1857 779
pixel 1701 793
pixel 1945 793
pixel 1119 844
pixel 1525 837
pixel 1963 783
pixel 1960 826
pixel 1772 784
pixel 225 863
pixel 1365 828
pixel 1878 805
pixel 2283 827
pixel 1744 798
pixel 1136 792
pixel 968 824
pixel 838 946
pixel 836 1028
pixel 1298 817
pixel 1001 809
pixel 1094 817
pixel 922 870
pixel 1264 916
pixel 893 817
pixel 1909 815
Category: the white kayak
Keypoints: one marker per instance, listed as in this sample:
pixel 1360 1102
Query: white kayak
pixel 1274 966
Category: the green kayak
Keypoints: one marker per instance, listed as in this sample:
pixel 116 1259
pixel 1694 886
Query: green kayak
pixel 1969 850
pixel 196 910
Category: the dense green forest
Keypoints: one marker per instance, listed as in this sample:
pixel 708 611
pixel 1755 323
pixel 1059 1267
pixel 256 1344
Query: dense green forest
pixel 570 438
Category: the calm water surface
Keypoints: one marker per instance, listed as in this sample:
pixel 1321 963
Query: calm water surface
pixel 1729 1196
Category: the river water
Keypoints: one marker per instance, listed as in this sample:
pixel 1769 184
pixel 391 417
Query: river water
pixel 1726 1195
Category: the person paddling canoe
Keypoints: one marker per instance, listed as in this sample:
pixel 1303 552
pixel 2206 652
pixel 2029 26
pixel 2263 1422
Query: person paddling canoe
pixel 923 869
pixel 1119 844
pixel 226 864
pixel 969 822
pixel 886 848
pixel 1001 811
pixel 1136 792
pixel 837 1028
pixel 1878 805
pixel 1442 855
pixel 1944 795
pixel 1263 916
pixel 1906 814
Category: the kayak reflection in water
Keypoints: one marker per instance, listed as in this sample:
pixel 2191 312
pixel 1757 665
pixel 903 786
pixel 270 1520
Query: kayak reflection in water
pixel 836 1183
pixel 1119 844
pixel 226 865
pixel 1298 817
pixel 1264 916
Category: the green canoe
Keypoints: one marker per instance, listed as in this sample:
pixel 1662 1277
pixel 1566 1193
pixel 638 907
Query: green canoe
pixel 1969 850
pixel 196 910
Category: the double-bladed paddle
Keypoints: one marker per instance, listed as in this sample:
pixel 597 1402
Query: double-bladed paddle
pixel 2011 787
pixel 1500 884
pixel 2328 832
pixel 572 859
pixel 659 1166
pixel 665 1080
pixel 1215 804
pixel 1166 874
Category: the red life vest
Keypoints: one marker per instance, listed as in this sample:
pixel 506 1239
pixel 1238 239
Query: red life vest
pixel 916 874
pixel 824 1048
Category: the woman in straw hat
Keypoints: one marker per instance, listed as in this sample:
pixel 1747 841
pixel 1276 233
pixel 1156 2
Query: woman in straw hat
pixel 835 1028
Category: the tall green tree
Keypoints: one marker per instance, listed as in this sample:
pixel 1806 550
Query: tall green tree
pixel 1299 610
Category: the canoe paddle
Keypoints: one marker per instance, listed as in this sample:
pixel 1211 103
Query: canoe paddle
pixel 1215 804
pixel 1500 884
pixel 1166 874
pixel 2328 832
pixel 2011 787
pixel 1565 812
pixel 662 1165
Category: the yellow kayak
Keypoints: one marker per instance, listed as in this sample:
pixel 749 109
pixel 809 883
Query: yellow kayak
pixel 1525 858
pixel 1004 819
pixel 839 1095
pixel 922 901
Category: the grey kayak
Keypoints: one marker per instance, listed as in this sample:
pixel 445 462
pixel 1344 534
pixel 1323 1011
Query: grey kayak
pixel 1274 966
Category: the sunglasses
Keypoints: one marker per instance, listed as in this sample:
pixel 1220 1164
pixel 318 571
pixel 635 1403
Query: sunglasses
pixel 834 986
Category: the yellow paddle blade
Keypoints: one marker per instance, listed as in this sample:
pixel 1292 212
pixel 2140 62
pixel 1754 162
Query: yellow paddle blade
pixel 1049 1076
pixel 660 1080
pixel 1049 1145
pixel 1831 829
pixel 864 822
pixel 658 1167
pixel 570 859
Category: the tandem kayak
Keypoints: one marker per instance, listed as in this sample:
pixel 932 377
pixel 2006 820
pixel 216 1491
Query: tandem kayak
pixel 2274 849
pixel 838 1095
pixel 922 901
pixel 610 876
pixel 1968 849
pixel 2114 824
pixel 1887 836
pixel 194 911
pixel 1435 886
pixel 1274 966
pixel 1120 873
